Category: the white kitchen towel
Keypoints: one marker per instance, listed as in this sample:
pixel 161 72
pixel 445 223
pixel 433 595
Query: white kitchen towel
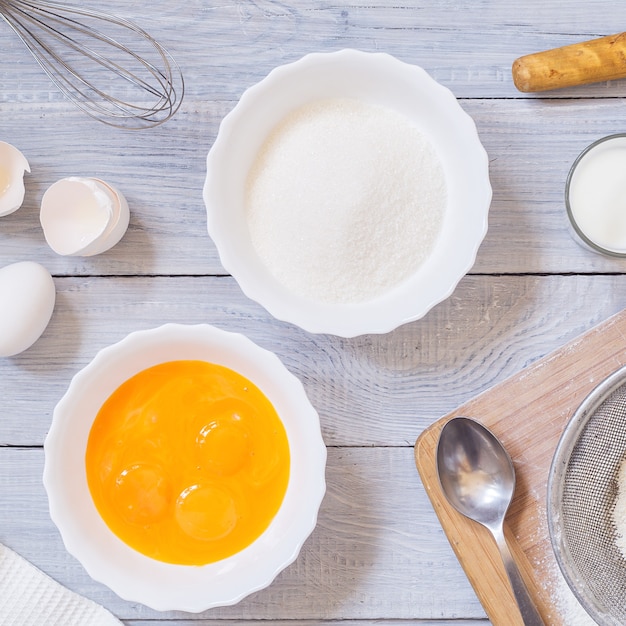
pixel 28 597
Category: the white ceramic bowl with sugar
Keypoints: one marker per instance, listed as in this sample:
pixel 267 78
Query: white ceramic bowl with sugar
pixel 138 578
pixel 372 78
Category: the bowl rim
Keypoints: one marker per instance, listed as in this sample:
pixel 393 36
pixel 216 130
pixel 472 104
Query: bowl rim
pixel 556 480
pixel 396 306
pixel 165 586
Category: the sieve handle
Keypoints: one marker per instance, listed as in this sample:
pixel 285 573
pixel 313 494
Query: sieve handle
pixel 528 610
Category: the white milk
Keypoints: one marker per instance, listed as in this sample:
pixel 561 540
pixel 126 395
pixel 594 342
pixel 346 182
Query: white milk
pixel 597 194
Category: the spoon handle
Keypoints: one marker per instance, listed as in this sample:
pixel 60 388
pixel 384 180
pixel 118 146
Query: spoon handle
pixel 530 614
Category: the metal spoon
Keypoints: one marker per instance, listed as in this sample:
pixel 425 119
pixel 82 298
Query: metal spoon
pixel 477 477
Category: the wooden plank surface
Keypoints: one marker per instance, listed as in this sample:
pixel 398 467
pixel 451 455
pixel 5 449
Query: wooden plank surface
pixel 531 147
pixel 379 554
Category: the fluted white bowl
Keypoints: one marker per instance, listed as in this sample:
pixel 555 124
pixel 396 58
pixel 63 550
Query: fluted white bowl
pixel 375 78
pixel 134 576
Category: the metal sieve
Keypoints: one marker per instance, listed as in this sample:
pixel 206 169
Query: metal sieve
pixel 582 487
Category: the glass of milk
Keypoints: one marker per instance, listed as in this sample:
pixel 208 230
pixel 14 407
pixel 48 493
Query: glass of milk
pixel 595 196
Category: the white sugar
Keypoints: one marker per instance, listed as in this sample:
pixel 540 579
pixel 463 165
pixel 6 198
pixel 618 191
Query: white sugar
pixel 345 200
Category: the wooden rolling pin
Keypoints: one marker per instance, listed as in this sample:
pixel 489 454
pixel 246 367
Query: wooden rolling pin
pixel 591 61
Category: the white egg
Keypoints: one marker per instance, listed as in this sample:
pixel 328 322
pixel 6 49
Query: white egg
pixel 13 164
pixel 83 216
pixel 27 294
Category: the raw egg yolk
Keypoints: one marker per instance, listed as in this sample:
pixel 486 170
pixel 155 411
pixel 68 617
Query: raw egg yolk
pixel 187 462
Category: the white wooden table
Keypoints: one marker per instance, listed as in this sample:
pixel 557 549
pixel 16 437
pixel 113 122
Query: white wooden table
pixel 378 554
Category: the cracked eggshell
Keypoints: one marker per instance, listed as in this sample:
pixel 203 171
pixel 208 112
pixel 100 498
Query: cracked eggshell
pixel 28 295
pixel 13 164
pixel 118 224
pixel 83 216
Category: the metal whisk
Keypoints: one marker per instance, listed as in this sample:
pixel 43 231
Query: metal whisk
pixel 110 68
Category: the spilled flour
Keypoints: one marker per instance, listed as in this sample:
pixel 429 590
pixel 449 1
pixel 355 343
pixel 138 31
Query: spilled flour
pixel 619 509
pixel 569 612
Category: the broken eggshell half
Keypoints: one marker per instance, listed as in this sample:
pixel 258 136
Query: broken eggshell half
pixel 13 164
pixel 83 216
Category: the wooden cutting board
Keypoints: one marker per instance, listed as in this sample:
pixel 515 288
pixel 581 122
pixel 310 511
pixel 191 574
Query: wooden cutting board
pixel 528 413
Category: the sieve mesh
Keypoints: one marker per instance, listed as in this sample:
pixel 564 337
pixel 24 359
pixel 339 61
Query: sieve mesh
pixel 581 495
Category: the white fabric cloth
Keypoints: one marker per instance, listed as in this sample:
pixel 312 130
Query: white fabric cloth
pixel 28 597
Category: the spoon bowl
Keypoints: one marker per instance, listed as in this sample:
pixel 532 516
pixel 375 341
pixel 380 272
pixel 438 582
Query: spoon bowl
pixel 477 477
pixel 475 471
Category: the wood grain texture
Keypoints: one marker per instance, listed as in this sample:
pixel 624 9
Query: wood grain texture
pixel 531 147
pixel 379 554
pixel 224 45
pixel 363 560
pixel 358 622
pixel 370 390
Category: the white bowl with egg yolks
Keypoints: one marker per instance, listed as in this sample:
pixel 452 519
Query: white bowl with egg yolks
pixel 138 578
pixel 374 80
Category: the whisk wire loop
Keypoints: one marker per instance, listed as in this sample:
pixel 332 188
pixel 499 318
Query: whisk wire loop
pixel 108 63
pixel 146 67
